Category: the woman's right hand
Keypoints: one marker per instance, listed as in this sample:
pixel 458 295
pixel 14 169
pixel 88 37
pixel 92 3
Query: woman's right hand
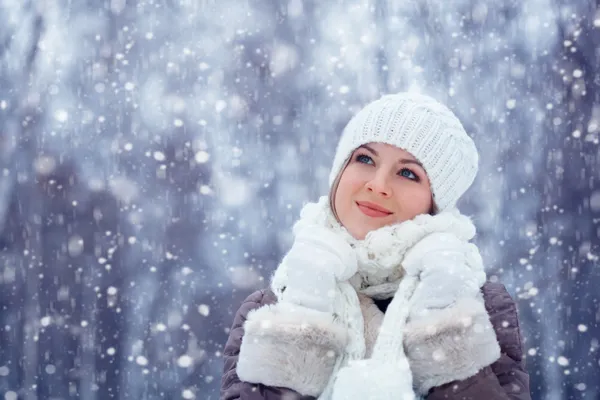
pixel 318 259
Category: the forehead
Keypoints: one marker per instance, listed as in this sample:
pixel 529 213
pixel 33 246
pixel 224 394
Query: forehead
pixel 384 149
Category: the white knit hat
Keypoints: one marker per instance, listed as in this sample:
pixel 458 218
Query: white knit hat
pixel 426 129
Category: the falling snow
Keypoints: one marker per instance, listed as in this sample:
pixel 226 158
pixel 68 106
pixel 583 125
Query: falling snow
pixel 562 361
pixel 185 361
pixel 204 310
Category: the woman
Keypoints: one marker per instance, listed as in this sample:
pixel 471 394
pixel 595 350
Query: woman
pixel 381 295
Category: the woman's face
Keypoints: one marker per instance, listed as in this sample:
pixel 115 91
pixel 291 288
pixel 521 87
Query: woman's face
pixel 381 185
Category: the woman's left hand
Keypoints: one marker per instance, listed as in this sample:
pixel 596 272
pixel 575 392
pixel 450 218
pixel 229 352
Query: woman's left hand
pixel 449 335
pixel 448 269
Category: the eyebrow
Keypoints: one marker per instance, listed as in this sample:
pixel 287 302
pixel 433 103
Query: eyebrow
pixel 402 160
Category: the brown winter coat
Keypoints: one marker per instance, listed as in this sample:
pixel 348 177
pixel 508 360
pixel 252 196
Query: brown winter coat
pixel 505 379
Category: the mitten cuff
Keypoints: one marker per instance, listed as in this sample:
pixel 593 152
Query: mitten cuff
pixel 290 346
pixel 450 344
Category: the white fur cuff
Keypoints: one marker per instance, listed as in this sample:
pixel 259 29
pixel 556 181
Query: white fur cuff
pixel 374 380
pixel 450 344
pixel 290 346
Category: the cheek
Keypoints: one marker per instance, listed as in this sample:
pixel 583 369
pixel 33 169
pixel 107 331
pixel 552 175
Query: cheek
pixel 425 205
pixel 348 186
pixel 341 193
pixel 345 184
pixel 353 179
pixel 417 202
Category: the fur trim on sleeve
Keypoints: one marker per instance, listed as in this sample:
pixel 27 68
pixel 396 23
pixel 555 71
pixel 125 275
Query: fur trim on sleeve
pixel 290 346
pixel 450 344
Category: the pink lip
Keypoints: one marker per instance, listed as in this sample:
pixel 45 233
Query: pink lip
pixel 372 210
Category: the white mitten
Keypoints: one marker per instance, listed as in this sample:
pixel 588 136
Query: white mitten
pixel 444 267
pixel 449 335
pixel 318 259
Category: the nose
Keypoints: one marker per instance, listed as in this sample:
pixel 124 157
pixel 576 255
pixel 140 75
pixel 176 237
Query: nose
pixel 379 184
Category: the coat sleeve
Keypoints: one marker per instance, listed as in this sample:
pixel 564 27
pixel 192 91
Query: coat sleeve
pixel 506 378
pixel 232 388
pixel 269 353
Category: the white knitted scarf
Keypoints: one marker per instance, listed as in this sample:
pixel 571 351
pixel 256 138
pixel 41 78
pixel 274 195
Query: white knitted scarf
pixel 380 276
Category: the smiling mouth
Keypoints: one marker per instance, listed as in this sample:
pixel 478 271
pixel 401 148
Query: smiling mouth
pixel 372 212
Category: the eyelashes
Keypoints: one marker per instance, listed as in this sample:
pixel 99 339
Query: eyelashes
pixel 416 177
pixel 404 172
pixel 363 158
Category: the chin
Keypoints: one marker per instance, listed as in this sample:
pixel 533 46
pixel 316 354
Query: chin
pixel 359 236
pixel 361 233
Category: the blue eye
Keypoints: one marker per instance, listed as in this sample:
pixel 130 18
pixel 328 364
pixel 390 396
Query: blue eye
pixel 362 158
pixel 407 173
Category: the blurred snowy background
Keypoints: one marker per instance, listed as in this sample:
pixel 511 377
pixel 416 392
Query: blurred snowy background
pixel 155 154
